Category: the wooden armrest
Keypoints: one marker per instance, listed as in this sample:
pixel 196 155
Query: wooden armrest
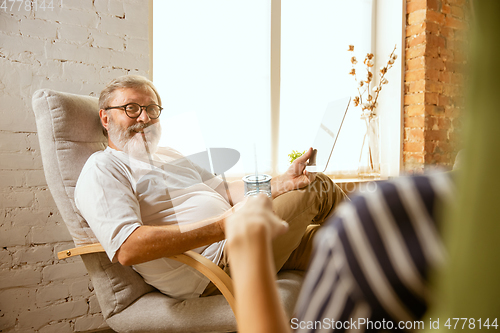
pixel 206 267
pixel 77 251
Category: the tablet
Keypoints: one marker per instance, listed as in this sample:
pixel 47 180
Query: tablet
pixel 327 134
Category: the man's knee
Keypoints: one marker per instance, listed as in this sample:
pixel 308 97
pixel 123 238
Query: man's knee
pixel 325 186
pixel 320 196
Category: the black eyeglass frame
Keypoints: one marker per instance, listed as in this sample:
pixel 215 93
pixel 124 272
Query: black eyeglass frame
pixel 142 107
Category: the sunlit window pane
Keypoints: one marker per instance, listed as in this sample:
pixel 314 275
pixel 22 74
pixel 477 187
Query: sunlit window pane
pixel 314 71
pixel 211 66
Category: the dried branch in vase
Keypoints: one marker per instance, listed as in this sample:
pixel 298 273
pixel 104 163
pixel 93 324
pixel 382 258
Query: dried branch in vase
pixel 367 99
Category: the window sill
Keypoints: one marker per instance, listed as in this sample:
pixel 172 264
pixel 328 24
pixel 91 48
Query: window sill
pixel 352 185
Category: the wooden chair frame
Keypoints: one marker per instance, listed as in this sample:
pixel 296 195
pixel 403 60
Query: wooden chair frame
pixel 209 269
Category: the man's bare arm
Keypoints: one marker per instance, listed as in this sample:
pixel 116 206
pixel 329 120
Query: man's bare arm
pixel 153 242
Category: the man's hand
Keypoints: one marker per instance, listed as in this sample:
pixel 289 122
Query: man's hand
pixel 253 220
pixel 295 177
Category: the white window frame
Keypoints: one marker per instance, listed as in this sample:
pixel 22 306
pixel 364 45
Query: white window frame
pixel 388 29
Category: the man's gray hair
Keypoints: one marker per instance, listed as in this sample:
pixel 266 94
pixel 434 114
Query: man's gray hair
pixel 125 81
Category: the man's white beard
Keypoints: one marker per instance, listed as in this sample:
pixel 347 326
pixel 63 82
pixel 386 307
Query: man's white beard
pixel 133 143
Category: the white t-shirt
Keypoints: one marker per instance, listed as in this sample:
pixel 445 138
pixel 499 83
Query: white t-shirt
pixel 117 193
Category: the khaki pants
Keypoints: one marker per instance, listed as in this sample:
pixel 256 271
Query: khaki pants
pixel 304 210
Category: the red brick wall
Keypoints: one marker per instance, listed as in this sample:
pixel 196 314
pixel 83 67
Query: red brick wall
pixel 436 33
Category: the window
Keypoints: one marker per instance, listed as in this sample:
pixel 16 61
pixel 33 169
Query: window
pixel 213 61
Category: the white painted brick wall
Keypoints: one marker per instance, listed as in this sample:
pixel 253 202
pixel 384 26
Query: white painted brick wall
pixel 33 255
pixel 5 260
pixel 12 178
pixel 81 287
pixel 13 236
pixel 74 34
pixel 21 276
pixel 105 40
pixel 16 198
pixel 37 28
pixel 56 327
pixel 77 47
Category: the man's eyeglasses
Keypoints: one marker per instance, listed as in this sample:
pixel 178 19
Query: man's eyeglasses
pixel 134 110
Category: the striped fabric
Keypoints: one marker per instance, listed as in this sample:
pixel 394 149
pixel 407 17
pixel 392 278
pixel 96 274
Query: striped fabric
pixel 370 265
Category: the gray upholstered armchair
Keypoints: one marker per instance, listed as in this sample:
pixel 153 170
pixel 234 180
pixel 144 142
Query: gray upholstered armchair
pixel 69 131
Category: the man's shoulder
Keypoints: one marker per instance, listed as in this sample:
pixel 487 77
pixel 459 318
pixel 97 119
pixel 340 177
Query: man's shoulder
pixel 103 161
pixel 101 157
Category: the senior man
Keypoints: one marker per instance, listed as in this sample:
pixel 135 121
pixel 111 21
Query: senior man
pixel 146 203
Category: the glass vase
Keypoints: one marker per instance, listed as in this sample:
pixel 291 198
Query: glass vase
pixel 369 158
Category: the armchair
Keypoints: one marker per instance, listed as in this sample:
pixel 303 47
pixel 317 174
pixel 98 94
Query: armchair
pixel 69 131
